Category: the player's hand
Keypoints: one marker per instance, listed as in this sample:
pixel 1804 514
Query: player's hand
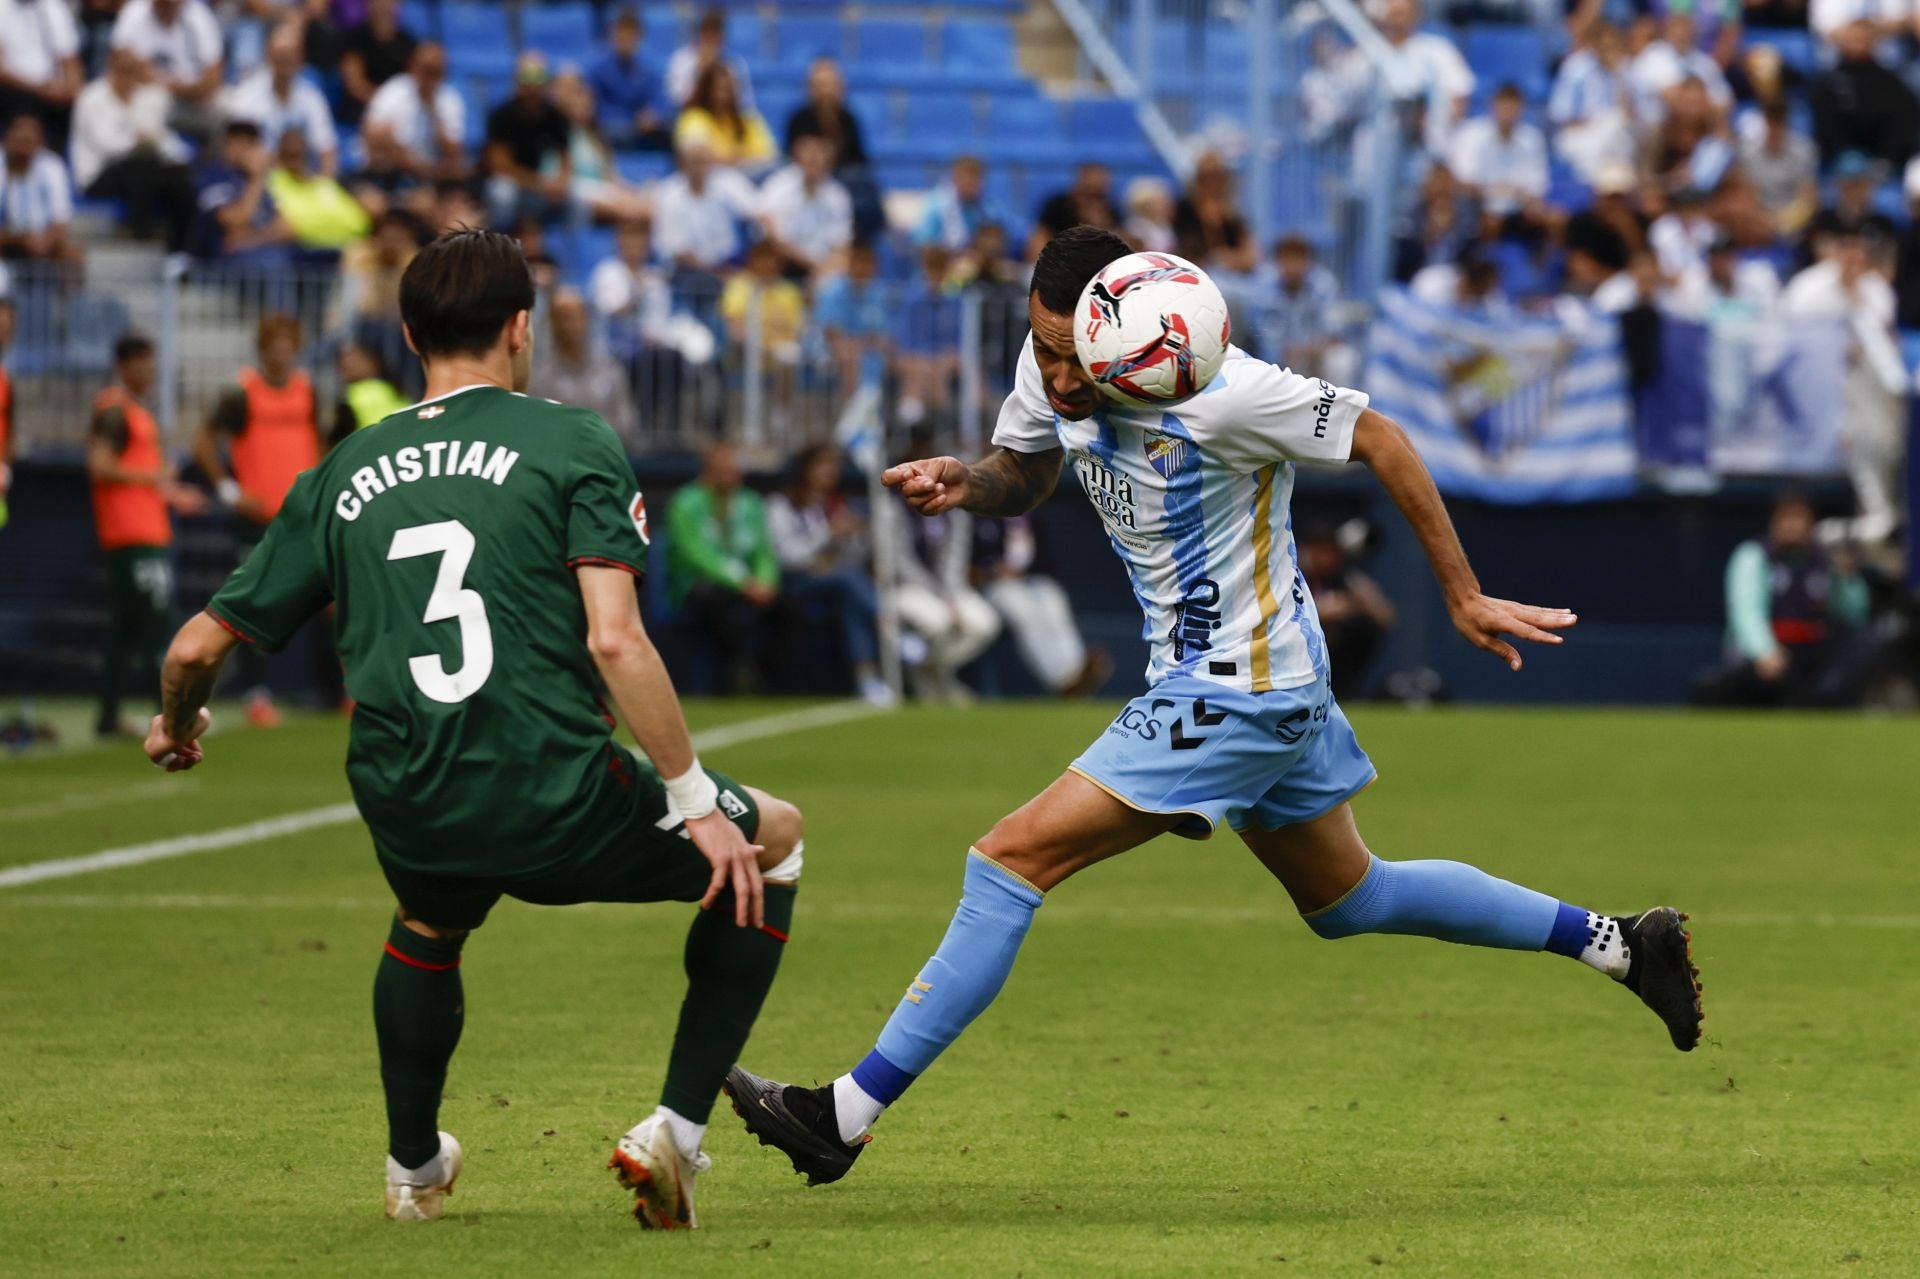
pixel 736 865
pixel 184 499
pixel 1484 619
pixel 177 756
pixel 1771 667
pixel 931 487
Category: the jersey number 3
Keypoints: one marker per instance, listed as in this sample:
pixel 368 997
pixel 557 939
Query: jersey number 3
pixel 453 542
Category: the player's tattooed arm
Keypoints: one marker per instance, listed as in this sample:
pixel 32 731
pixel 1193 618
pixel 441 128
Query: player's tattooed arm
pixel 1383 446
pixel 191 670
pixel 1005 482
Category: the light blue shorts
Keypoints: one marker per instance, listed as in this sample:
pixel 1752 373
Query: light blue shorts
pixel 1217 754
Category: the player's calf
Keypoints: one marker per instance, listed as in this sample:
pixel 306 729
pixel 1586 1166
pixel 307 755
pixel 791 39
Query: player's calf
pixel 729 971
pixel 419 1009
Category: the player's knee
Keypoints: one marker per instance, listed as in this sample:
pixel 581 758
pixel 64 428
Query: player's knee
pixel 431 931
pixel 780 837
pixel 1015 845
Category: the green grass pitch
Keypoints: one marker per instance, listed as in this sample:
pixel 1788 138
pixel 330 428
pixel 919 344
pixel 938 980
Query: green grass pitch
pixel 1179 1078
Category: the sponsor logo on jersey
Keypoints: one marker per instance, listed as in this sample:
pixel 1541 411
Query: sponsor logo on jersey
pixel 732 805
pixel 1165 453
pixel 432 411
pixel 1139 721
pixel 1110 491
pixel 1323 409
pixel 1195 618
pixel 639 513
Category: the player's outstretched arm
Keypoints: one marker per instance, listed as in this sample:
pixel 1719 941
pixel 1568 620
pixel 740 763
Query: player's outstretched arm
pixel 1379 442
pixel 1005 482
pixel 642 690
pixel 192 669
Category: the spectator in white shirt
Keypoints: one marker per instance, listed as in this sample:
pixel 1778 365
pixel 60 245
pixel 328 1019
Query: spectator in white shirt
pixel 709 46
pixel 805 212
pixel 1890 19
pixel 1845 287
pixel 697 211
pixel 417 122
pixel 1442 79
pixel 629 293
pixel 122 150
pixel 181 41
pixel 39 61
pixel 1502 160
pixel 1668 62
pixel 278 98
pixel 36 199
pixel 1681 237
pixel 1591 106
pixel 1725 287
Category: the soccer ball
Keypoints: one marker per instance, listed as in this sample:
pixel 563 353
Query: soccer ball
pixel 1152 329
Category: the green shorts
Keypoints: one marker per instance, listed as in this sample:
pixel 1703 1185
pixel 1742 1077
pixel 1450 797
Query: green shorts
pixel 651 859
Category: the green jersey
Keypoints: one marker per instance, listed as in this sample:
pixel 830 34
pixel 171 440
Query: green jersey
pixel 446 536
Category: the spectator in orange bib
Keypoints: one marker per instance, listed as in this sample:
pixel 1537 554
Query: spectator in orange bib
pixel 269 423
pixel 134 491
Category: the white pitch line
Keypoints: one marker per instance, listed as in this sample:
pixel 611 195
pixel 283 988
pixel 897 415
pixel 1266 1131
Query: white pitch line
pixel 155 788
pixel 750 730
pixel 796 721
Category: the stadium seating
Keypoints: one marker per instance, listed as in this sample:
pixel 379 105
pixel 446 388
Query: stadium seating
pixel 800 38
pixel 479 39
pixel 564 32
pixel 422 17
pixel 979 54
pixel 891 50
pixel 1503 54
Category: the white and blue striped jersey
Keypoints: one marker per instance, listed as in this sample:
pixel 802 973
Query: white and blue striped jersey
pixel 1196 498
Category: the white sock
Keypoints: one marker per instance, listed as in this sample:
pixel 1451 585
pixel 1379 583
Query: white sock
pixel 687 1134
pixel 430 1173
pixel 1606 947
pixel 855 1111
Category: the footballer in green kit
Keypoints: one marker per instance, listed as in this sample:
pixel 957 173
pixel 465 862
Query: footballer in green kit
pixel 480 549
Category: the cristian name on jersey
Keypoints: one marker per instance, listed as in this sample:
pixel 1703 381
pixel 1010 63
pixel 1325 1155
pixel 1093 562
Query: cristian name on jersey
pixel 431 460
pixel 1195 499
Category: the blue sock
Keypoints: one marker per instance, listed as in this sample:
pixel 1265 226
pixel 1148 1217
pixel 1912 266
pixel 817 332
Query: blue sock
pixel 957 984
pixel 1457 903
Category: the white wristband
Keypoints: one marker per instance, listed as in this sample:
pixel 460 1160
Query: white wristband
pixel 693 792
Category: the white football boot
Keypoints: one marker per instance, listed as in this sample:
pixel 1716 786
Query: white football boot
pixel 421 1194
pixel 648 1163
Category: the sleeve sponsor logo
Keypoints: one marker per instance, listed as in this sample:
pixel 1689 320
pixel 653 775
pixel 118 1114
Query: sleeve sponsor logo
pixel 639 513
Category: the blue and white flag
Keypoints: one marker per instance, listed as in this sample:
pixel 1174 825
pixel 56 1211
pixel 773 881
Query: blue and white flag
pixel 1778 391
pixel 1510 408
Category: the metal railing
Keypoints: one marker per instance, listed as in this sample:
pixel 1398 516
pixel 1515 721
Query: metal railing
pixel 1299 96
pixel 693 358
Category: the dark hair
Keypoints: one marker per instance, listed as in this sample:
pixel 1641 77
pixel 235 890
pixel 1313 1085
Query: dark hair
pixel 242 129
pixel 1588 233
pixel 627 18
pixel 706 93
pixel 459 292
pixel 803 462
pixel 1070 259
pixel 713 22
pixel 131 347
pixel 277 324
pixel 1508 89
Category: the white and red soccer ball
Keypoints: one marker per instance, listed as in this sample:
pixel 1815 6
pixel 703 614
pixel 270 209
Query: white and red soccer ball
pixel 1151 329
